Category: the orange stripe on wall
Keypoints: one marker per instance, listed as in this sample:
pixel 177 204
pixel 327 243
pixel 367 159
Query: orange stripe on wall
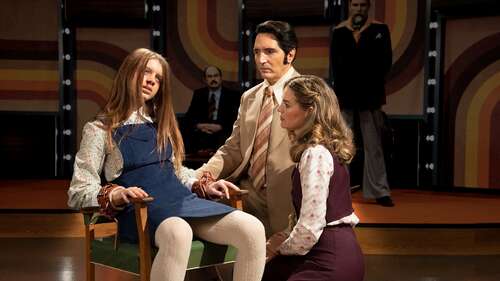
pixel 36 94
pixel 20 85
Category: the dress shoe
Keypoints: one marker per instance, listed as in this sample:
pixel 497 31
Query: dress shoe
pixel 385 201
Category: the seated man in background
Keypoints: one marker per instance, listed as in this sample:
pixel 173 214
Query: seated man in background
pixel 211 114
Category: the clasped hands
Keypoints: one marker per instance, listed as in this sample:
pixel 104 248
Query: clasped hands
pixel 209 128
pixel 217 189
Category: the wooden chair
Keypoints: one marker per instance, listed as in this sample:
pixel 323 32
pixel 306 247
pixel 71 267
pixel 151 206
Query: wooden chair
pixel 102 246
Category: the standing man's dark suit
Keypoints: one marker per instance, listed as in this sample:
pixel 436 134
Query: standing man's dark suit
pixel 203 132
pixel 361 57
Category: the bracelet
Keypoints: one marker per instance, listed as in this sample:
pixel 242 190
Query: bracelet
pixel 200 186
pixel 105 206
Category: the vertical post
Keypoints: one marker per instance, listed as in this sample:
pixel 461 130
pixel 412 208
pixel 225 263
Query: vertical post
pixel 437 98
pixel 245 68
pixel 429 162
pixel 66 147
pixel 155 10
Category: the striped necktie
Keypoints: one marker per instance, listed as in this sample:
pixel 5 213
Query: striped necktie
pixel 261 142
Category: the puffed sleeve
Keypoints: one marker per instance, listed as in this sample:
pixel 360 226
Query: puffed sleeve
pixel 316 169
pixel 89 160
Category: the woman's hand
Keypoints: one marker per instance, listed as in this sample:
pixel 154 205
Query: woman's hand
pixel 220 189
pixel 273 243
pixel 120 195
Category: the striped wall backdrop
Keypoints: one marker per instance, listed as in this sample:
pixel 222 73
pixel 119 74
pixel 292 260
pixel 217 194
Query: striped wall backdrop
pixel 472 101
pixel 29 77
pixel 405 83
pixel 206 32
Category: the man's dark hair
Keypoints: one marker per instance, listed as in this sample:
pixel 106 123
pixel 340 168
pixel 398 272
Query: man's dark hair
pixel 284 33
pixel 207 67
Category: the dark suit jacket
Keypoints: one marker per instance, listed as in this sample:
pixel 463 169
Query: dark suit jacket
pixel 197 112
pixel 359 69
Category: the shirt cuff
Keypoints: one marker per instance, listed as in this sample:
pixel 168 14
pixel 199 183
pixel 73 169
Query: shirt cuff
pixel 190 182
pixel 111 201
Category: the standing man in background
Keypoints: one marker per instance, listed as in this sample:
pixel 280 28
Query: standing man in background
pixel 361 57
pixel 211 114
pixel 256 155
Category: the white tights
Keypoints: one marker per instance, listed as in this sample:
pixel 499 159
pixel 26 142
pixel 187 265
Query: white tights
pixel 238 229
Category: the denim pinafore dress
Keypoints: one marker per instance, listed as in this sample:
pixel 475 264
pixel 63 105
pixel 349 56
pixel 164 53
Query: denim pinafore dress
pixel 144 167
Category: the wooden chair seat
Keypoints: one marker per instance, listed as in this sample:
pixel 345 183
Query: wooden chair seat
pixel 105 249
pixel 126 256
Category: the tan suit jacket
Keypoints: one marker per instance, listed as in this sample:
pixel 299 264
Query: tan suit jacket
pixel 232 159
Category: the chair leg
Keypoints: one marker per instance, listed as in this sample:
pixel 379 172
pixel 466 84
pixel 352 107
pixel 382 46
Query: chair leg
pixel 144 242
pixel 89 266
pixel 219 275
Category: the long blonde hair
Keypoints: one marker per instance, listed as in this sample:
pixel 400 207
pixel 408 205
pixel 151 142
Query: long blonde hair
pixel 126 97
pixel 326 125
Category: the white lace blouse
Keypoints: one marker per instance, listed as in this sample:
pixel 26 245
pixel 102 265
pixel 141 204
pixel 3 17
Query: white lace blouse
pixel 316 169
pixel 94 156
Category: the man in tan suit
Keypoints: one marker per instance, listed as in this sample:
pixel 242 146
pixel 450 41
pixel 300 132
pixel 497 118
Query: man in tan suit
pixel 263 167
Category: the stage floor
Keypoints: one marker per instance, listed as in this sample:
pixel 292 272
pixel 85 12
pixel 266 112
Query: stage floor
pixel 426 207
pixel 427 236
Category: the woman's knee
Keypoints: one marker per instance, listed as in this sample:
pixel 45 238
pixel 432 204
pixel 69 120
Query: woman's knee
pixel 175 231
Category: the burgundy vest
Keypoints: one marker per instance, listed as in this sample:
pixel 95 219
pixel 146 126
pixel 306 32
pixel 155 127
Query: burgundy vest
pixel 338 204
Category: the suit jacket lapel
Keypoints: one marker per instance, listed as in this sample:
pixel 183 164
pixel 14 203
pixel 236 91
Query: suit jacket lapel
pixel 278 134
pixel 252 113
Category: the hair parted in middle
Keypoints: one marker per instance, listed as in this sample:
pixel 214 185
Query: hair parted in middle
pixel 126 97
pixel 326 125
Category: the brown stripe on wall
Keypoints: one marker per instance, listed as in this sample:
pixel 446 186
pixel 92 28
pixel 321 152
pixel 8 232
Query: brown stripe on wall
pixel 380 8
pixel 212 28
pixel 28 50
pixel 101 52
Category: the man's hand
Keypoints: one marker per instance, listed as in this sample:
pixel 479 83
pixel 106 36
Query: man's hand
pixel 220 189
pixel 214 128
pixel 273 244
pixel 209 128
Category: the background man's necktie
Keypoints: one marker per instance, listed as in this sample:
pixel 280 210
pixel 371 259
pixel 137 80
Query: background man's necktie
pixel 211 106
pixel 261 143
